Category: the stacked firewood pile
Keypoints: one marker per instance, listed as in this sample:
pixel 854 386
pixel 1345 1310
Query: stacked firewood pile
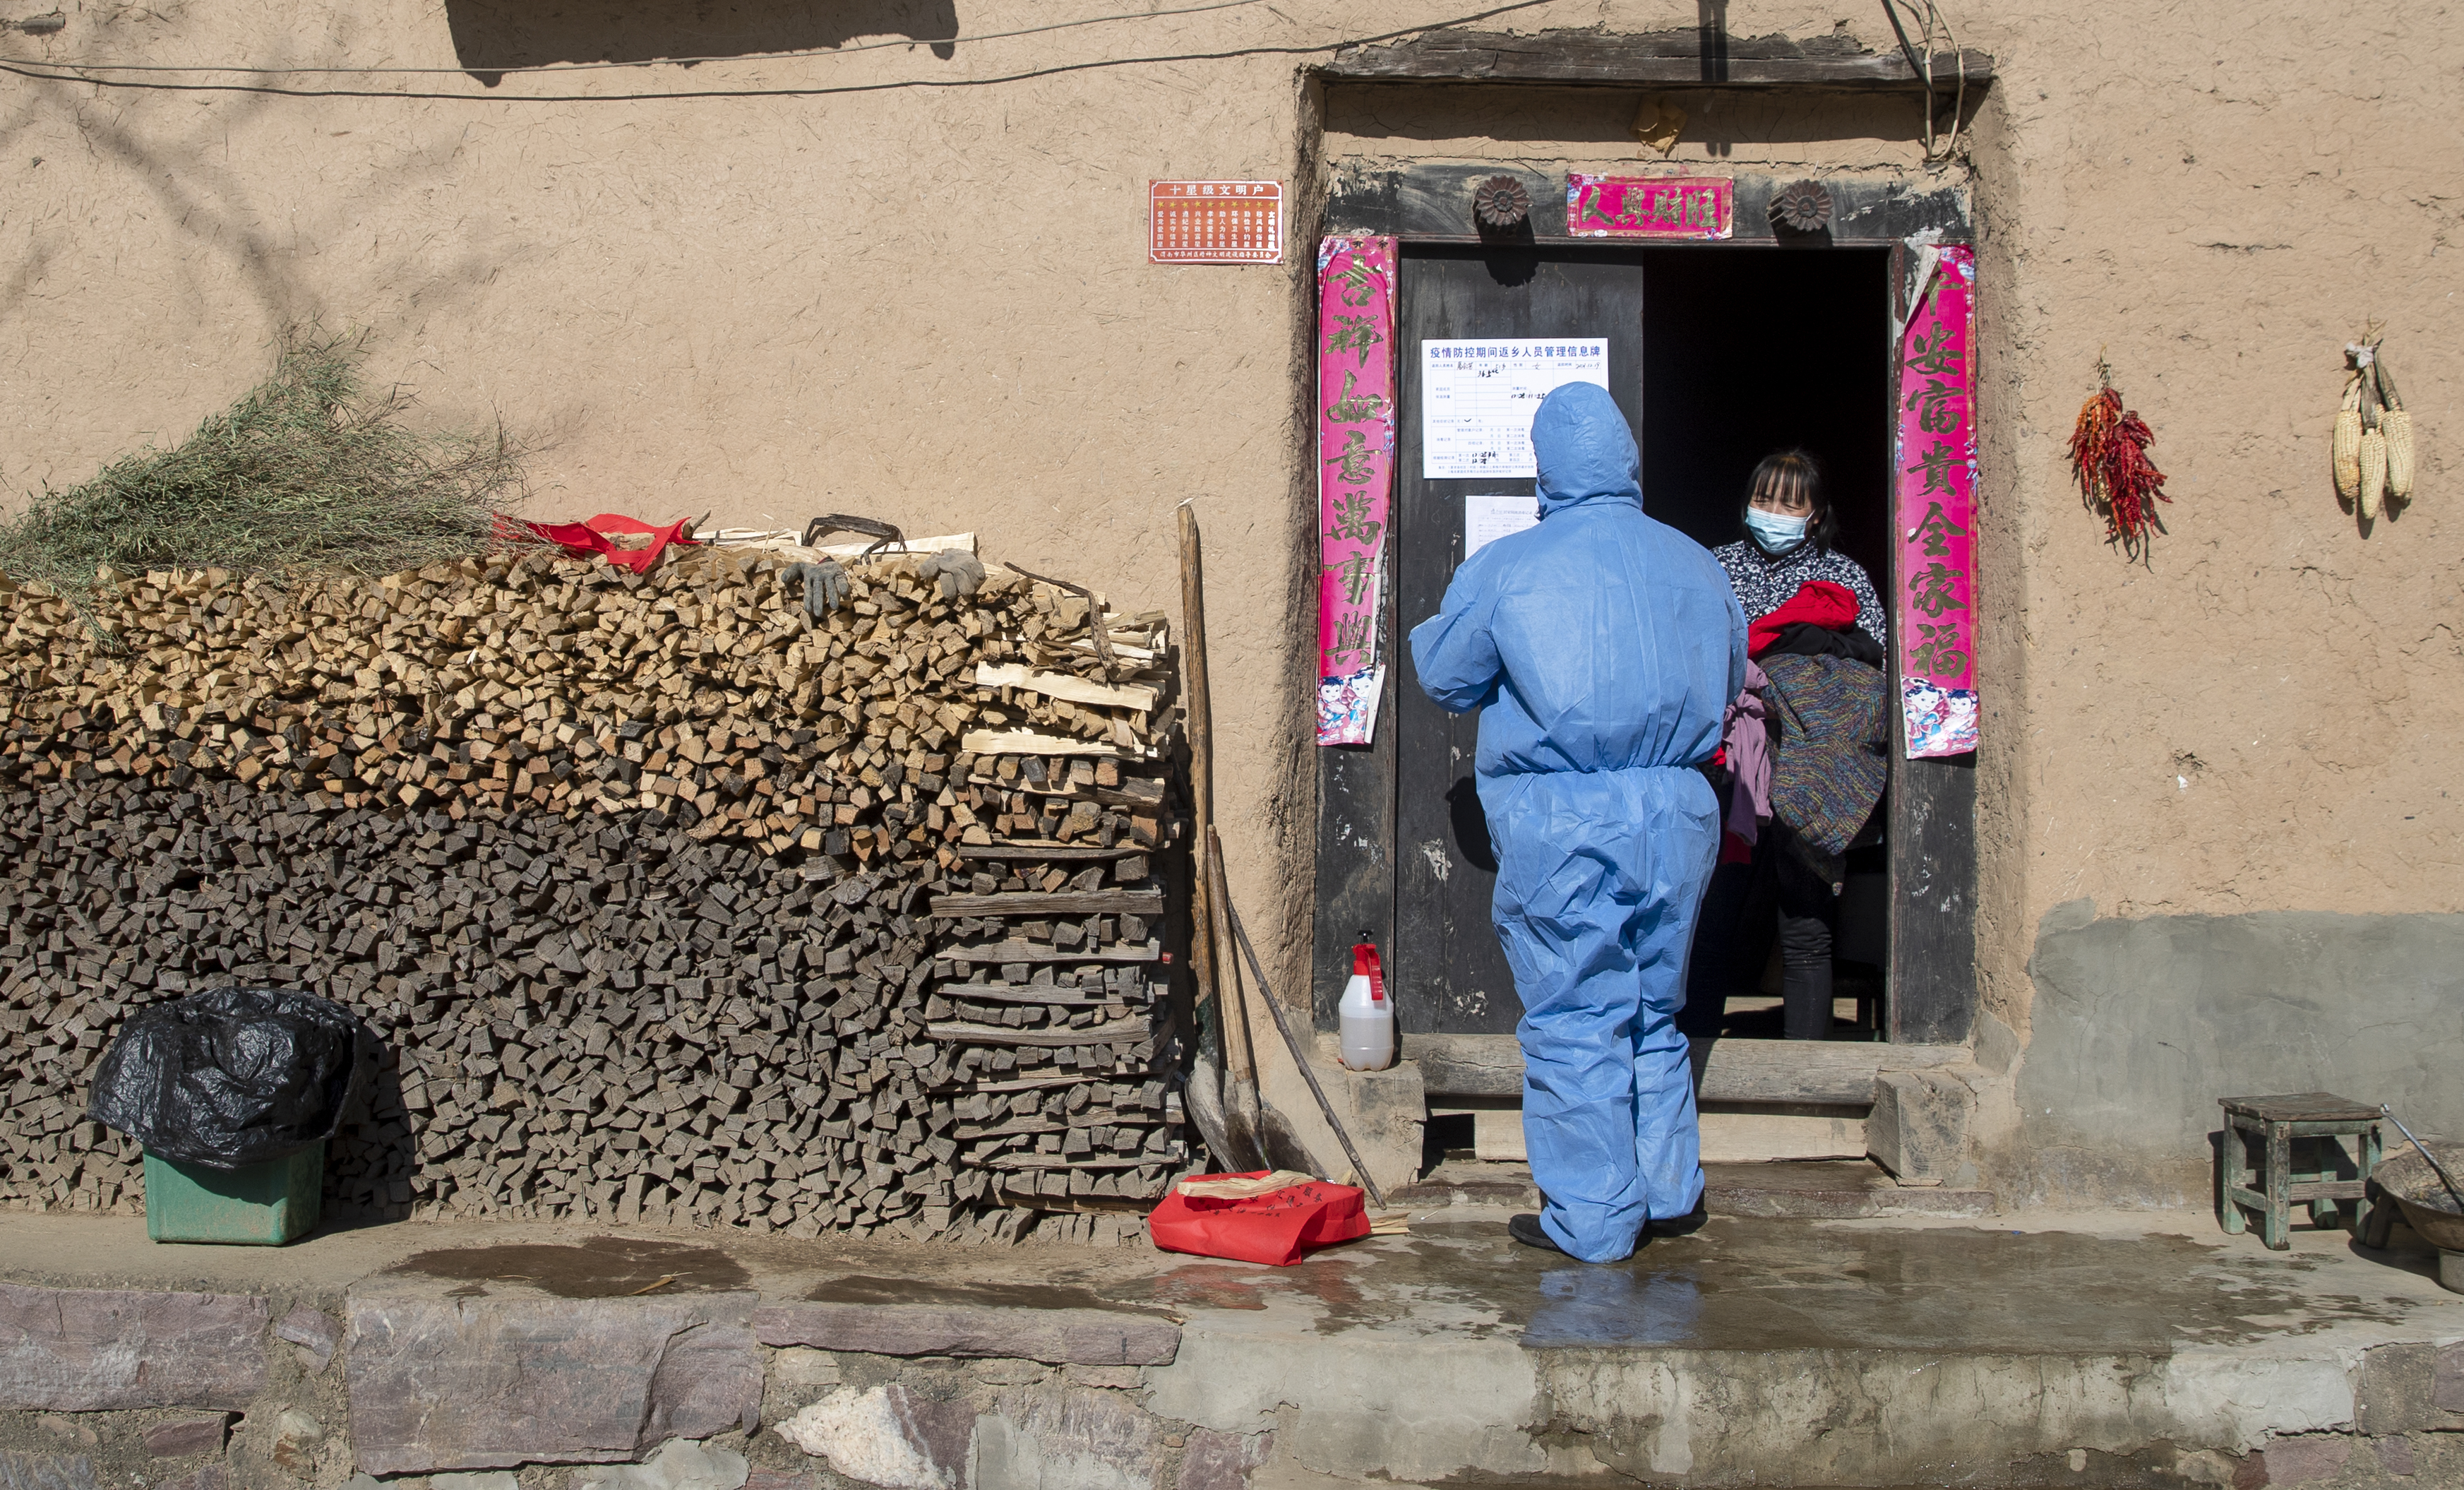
pixel 670 902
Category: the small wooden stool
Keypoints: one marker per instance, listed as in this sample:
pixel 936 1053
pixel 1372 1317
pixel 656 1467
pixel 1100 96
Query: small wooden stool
pixel 2303 1163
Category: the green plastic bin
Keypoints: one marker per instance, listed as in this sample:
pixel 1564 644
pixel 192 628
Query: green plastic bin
pixel 264 1205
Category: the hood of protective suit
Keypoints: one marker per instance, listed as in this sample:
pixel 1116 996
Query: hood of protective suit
pixel 1584 449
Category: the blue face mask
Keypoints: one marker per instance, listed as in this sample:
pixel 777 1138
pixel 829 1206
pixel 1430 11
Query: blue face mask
pixel 1776 535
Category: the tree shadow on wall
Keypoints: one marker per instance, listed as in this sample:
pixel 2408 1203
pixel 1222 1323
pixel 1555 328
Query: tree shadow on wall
pixel 492 38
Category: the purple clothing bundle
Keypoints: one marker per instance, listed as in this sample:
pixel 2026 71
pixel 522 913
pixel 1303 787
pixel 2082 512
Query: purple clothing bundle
pixel 1744 739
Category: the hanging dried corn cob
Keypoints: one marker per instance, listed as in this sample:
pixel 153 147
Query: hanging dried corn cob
pixel 2397 426
pixel 2117 481
pixel 2374 451
pixel 2348 442
pixel 2375 454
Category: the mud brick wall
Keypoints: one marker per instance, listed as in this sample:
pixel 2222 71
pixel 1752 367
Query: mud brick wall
pixel 666 904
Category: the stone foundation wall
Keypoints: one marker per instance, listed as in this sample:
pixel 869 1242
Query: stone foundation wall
pixel 433 1390
pixel 284 1391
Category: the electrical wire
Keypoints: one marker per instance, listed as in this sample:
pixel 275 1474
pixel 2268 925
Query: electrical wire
pixel 589 67
pixel 45 72
pixel 1933 32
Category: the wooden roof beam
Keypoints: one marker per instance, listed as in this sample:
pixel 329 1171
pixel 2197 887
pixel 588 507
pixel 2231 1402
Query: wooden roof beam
pixel 1659 59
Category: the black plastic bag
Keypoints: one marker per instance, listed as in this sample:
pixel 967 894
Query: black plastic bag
pixel 235 1076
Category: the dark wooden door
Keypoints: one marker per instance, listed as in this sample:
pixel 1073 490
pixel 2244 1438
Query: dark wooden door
pixel 1448 973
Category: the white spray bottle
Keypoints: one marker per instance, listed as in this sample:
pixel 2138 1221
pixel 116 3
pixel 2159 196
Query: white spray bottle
pixel 1367 1016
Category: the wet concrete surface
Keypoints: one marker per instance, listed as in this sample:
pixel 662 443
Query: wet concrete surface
pixel 604 1267
pixel 1993 1290
pixel 1869 1352
pixel 72 1251
pixel 1742 1284
pixel 1737 1283
pixel 1804 1353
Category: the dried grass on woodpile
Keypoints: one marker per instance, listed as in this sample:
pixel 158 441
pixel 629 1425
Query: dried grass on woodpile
pixel 308 472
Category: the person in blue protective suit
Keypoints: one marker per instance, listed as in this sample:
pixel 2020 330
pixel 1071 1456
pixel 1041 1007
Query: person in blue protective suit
pixel 1601 647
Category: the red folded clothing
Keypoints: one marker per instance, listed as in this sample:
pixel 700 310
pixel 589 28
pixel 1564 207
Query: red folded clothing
pixel 1819 602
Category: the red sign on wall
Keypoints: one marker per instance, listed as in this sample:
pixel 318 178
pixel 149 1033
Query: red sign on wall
pixel 1215 222
pixel 1650 206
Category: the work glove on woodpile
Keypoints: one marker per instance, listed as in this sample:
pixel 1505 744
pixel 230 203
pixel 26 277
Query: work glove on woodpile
pixel 959 573
pixel 826 585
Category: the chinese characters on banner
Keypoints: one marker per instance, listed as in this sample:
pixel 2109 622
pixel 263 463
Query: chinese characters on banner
pixel 1935 609
pixel 1356 450
pixel 1215 222
pixel 1650 206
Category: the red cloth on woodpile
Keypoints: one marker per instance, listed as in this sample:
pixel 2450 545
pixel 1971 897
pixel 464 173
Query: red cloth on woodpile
pixel 582 540
pixel 1816 602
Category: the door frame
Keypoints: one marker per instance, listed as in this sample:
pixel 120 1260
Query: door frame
pixel 1931 982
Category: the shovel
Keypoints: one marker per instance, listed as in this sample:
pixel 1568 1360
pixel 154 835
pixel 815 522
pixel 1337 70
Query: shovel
pixel 1282 1148
pixel 1204 1093
pixel 1291 1041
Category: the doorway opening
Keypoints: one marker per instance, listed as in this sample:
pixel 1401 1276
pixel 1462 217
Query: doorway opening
pixel 1746 352
pixel 1719 356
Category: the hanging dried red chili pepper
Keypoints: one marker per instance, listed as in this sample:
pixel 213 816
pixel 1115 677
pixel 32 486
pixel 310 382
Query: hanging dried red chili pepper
pixel 2117 481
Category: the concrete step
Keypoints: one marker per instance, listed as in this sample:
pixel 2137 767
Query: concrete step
pixel 1844 1189
pixel 1769 1353
pixel 1827 1073
pixel 1754 1352
pixel 1729 1136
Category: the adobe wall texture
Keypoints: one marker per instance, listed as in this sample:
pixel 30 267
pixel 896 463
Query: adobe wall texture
pixel 2230 752
pixel 889 281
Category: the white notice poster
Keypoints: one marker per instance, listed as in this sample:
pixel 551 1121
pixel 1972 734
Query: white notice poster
pixel 1477 399
pixel 1489 516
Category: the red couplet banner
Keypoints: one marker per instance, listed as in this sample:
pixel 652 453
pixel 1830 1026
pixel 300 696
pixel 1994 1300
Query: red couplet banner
pixel 1934 607
pixel 1356 449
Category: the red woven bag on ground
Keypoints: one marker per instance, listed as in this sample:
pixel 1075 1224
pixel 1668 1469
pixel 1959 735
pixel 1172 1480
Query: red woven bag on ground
pixel 1279 1227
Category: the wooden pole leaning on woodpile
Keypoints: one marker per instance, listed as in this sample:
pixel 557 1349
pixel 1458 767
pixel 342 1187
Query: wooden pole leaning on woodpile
pixel 667 902
pixel 1215 1103
pixel 1197 710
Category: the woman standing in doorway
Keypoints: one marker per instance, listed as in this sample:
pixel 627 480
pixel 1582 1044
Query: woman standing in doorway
pixel 1789 527
pixel 1788 531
